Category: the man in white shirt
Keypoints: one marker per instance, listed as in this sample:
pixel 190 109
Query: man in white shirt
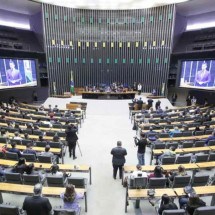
pixel 138 172
pixel 139 88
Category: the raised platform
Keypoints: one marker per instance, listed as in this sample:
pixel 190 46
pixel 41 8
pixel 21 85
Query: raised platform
pixel 155 97
pixel 108 95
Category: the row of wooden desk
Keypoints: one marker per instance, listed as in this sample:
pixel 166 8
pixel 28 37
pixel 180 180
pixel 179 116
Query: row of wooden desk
pixel 47 166
pixel 28 190
pixel 141 194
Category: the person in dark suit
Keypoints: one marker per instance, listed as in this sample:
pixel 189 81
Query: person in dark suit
pixel 14 149
pixel 118 159
pixel 71 138
pixel 36 204
pixel 140 103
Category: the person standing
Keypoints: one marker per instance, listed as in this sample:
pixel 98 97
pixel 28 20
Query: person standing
pixel 150 103
pixel 118 159
pixel 174 98
pixel 37 204
pixel 157 104
pixel 139 88
pixel 193 101
pixel 71 138
pixel 188 100
pixel 141 143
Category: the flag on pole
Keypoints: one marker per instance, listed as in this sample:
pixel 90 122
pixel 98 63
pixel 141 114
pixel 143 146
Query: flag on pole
pixel 72 88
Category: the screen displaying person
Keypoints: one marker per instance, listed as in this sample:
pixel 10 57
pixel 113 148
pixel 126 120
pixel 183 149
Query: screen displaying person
pixel 28 71
pixel 203 76
pixel 13 75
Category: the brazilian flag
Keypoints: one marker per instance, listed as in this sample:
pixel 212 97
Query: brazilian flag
pixel 72 88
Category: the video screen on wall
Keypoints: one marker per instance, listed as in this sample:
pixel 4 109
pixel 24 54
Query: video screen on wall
pixel 199 74
pixel 17 73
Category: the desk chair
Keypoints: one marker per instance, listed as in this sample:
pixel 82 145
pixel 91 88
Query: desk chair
pixel 187 144
pixel 18 142
pixel 28 131
pixel 3 140
pixel 14 178
pixel 61 211
pixel 55 144
pixel 209 210
pixel 29 157
pixel 168 145
pixel 50 133
pixel 159 146
pixel 201 158
pixel 6 209
pixel 200 180
pixel 181 181
pixel 211 143
pixel 163 135
pixel 41 143
pixel 199 133
pixel 157 183
pixel 2 155
pixel 168 160
pixel 37 132
pixel 61 134
pixel 25 142
pixel 45 125
pixel 77 181
pixel 211 157
pixel 140 182
pixel 12 156
pixel 57 126
pixel 44 159
pixel 174 212
pixel 55 181
pixel 199 143
pixel 181 159
pixel 178 135
pixel 187 134
pixel 208 132
pixel 32 179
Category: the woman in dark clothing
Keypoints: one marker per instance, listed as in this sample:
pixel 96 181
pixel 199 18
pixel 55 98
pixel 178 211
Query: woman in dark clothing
pixel 166 204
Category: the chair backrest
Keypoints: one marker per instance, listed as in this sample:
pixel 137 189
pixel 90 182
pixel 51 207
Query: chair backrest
pixel 187 133
pixel 168 160
pixel 201 158
pixel 44 159
pixel 45 125
pixel 159 146
pixel 187 144
pixel 198 133
pixel 28 131
pixel 31 179
pixel 211 157
pixel 13 178
pixel 29 157
pixel 41 143
pixel 60 211
pixel 61 134
pixel 211 143
pixel 140 182
pixel 199 143
pixel 200 180
pixel 57 126
pixel 3 140
pixel 209 210
pixel 168 145
pixel 207 132
pixel 25 142
pixel 55 144
pixel 50 133
pixel 18 142
pixel 77 181
pixel 157 183
pixel 163 135
pixel 55 181
pixel 37 132
pixel 12 156
pixel 174 212
pixel 178 135
pixel 6 209
pixel 183 159
pixel 181 181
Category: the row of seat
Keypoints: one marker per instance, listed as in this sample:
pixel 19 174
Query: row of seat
pixel 179 181
pixel 51 180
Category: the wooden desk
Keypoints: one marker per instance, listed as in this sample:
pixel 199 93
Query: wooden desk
pixel 184 138
pixel 45 166
pixel 37 149
pixel 28 190
pixel 141 194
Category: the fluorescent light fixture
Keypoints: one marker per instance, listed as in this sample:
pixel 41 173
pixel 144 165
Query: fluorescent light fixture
pixel 15 24
pixel 200 26
pixel 110 4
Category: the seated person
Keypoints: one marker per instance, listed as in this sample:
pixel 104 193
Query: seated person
pixel 175 131
pixel 158 173
pixel 151 135
pixel 138 172
pixel 212 137
pixel 21 167
pixel 181 172
pixel 47 153
pixel 196 129
pixel 29 150
pixel 14 149
pixel 70 199
pixel 26 136
pixel 167 153
pixel 3 133
pixel 55 109
pixel 17 136
pixel 166 204
pixel 192 201
pixel 54 170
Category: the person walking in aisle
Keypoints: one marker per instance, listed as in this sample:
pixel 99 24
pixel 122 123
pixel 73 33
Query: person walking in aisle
pixel 118 159
pixel 71 138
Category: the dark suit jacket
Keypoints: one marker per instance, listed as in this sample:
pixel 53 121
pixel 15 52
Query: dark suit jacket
pixel 71 135
pixel 118 155
pixel 37 205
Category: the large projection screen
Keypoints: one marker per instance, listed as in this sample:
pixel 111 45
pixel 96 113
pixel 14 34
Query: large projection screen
pixel 199 74
pixel 17 73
